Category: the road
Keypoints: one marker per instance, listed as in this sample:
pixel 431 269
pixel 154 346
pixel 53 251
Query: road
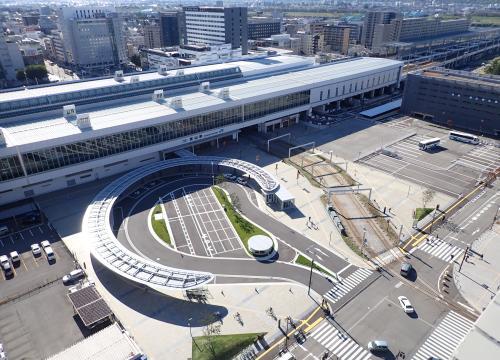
pixel 134 234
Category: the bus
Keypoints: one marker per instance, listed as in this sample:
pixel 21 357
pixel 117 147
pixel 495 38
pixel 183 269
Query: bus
pixel 464 137
pixel 428 143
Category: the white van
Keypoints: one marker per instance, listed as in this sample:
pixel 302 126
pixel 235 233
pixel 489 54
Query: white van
pixel 50 253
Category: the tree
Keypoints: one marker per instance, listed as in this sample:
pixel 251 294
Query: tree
pixel 236 201
pixel 36 72
pixel 493 67
pixel 136 60
pixel 210 331
pixel 427 196
pixel 219 179
pixel 20 75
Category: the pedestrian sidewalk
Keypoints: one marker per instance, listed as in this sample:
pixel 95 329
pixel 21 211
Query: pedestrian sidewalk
pixel 479 279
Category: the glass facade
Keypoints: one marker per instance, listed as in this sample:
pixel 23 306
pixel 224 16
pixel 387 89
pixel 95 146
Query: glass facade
pixel 280 103
pixel 82 151
pixel 10 168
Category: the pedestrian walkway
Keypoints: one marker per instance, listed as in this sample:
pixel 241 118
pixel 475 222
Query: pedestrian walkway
pixel 388 257
pixel 344 286
pixel 338 343
pixel 445 338
pixel 440 249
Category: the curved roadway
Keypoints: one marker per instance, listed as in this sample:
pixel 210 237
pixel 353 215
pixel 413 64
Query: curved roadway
pixel 134 234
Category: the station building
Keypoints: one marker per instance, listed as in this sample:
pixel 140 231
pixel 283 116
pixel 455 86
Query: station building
pixel 59 136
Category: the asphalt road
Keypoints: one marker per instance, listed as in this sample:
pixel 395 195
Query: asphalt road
pixel 134 234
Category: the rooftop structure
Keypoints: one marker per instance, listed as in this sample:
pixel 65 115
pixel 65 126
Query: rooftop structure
pixel 70 144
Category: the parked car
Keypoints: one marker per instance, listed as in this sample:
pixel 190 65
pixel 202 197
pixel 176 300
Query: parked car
pixel 5 264
pixel 14 257
pixel 406 305
pixel 73 276
pixel 36 250
pixel 49 253
pixel 241 180
pixel 4 230
pixel 45 243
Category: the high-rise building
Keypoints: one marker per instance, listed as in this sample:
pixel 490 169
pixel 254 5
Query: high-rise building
pixel 152 36
pixel 170 28
pixel 11 59
pixel 93 37
pixel 337 38
pixel 372 19
pixel 216 26
pixel 263 27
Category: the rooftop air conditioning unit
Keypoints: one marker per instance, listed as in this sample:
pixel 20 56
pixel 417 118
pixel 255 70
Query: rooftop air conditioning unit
pixel 162 70
pixel 3 141
pixel 158 95
pixel 119 75
pixel 179 72
pixel 176 103
pixel 69 110
pixel 224 93
pixel 83 121
pixel 204 86
pixel 134 79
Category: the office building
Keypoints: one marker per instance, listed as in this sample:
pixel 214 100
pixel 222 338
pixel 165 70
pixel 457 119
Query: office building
pixel 456 99
pixel 93 37
pixel 152 36
pixel 263 27
pixel 337 38
pixel 170 29
pixel 372 19
pixel 417 29
pixel 11 58
pixel 216 26
pixel 58 136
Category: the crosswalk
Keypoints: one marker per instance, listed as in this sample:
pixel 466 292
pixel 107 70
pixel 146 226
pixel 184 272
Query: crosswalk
pixel 342 287
pixel 481 158
pixel 440 249
pixel 338 343
pixel 445 338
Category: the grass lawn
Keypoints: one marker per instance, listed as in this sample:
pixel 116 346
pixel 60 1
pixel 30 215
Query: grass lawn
pixel 159 226
pixel 244 228
pixel 225 346
pixel 420 213
pixel 302 260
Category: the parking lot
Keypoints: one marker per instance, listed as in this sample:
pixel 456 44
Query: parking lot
pixel 451 168
pixel 199 225
pixel 36 318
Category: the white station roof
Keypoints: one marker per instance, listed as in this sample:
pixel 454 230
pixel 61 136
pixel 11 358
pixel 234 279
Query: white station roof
pixel 260 243
pixel 137 114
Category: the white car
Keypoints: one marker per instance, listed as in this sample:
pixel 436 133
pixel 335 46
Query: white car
pixel 50 253
pixel 45 243
pixel 405 304
pixel 73 276
pixel 241 181
pixel 14 257
pixel 35 249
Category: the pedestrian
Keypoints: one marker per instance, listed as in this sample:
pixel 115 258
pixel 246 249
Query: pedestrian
pixel 84 266
pixel 257 291
pixel 222 292
pixel 309 219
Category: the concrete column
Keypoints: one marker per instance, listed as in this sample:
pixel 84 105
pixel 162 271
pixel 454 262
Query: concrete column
pixel 338 105
pixel 372 93
pixel 217 142
pixel 309 112
pixel 382 90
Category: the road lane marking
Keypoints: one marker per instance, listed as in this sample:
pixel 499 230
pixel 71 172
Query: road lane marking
pixel 344 269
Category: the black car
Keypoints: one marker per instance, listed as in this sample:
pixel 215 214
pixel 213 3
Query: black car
pixel 406 269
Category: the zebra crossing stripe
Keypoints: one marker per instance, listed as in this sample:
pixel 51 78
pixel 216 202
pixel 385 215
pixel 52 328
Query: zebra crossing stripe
pixel 343 287
pixel 339 344
pixel 445 338
pixel 441 249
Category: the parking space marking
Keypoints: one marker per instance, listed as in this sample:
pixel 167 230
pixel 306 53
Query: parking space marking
pixel 31 232
pixel 40 229
pixel 22 236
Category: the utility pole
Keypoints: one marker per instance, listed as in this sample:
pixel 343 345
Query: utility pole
pixel 310 277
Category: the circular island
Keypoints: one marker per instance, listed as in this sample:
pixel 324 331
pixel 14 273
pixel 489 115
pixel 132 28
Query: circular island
pixel 260 245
